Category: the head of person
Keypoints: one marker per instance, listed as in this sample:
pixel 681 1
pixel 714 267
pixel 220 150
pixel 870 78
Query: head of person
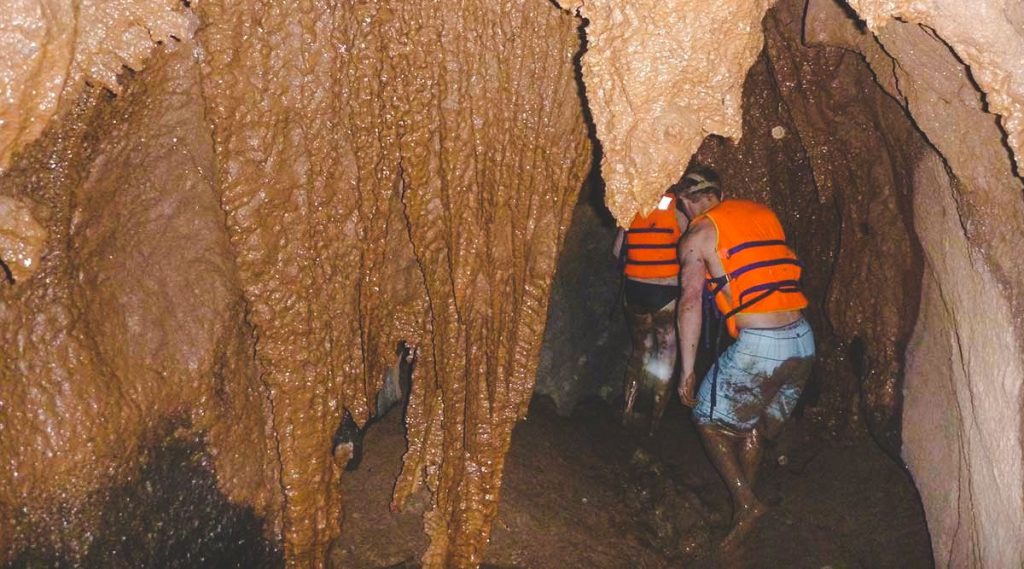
pixel 698 191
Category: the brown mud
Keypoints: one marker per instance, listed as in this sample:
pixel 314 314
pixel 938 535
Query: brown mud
pixel 583 492
pixel 793 372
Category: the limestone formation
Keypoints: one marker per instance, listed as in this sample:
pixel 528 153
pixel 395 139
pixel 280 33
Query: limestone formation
pixel 660 76
pixel 235 245
pixel 218 219
pixel 51 47
pixel 985 36
pixel 968 213
pixel 21 239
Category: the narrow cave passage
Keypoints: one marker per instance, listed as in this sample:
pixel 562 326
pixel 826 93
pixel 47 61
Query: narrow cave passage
pixel 582 490
pixel 219 219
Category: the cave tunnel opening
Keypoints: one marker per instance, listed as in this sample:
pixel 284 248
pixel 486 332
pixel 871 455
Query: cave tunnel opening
pixel 337 290
pixel 582 489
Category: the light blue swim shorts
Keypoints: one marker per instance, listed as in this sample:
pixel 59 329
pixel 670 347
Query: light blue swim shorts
pixel 760 378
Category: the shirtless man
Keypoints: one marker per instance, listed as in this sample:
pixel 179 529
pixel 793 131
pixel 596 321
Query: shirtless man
pixel 735 251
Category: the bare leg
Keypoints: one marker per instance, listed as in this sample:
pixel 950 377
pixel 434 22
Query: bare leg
pixel 640 330
pixel 724 450
pixel 661 397
pixel 663 362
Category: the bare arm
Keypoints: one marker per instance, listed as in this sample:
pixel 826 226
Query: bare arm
pixel 693 270
pixel 617 247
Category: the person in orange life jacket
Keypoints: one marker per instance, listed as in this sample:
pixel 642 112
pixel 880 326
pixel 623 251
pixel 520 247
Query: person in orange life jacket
pixel 650 290
pixel 734 260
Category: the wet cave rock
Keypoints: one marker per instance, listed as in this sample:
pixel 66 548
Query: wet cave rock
pixel 218 221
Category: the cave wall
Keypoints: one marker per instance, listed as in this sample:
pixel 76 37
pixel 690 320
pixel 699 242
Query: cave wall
pixel 962 418
pixel 52 48
pixel 133 318
pixel 236 242
pixel 586 340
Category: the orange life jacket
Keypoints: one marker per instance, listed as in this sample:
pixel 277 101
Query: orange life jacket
pixel 761 270
pixel 651 242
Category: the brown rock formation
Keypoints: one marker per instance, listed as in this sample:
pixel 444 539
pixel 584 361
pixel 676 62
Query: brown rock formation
pixel 234 245
pixel 660 76
pixel 384 179
pixel 388 173
pixel 51 47
pixel 984 36
pixel 133 318
pixel 968 216
pixel 21 239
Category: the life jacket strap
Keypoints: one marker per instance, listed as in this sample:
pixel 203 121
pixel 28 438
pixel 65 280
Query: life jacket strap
pixel 650 230
pixel 751 244
pixel 762 264
pixel 652 246
pixel 665 262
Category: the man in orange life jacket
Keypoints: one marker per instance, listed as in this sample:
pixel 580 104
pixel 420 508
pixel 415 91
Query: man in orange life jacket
pixel 650 290
pixel 734 258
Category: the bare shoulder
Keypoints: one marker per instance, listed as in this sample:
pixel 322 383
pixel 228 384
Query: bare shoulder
pixel 700 237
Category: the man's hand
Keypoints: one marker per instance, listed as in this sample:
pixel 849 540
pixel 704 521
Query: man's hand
pixel 686 388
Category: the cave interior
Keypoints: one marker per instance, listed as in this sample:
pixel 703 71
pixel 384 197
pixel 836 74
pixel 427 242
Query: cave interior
pixel 332 286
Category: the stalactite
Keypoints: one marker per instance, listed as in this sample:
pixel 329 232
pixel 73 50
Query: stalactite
pixel 396 172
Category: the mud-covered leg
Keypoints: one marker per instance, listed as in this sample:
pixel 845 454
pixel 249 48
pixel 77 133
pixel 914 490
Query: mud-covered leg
pixel 751 449
pixel 662 361
pixel 661 397
pixel 724 450
pixel 640 331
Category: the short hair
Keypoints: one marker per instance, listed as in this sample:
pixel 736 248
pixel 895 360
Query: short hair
pixel 698 181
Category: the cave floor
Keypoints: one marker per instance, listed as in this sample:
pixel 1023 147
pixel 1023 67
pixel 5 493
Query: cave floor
pixel 584 492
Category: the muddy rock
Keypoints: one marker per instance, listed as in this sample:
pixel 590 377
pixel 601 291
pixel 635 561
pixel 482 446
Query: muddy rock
pixel 967 215
pixel 21 239
pixel 660 76
pixel 52 47
pixel 586 340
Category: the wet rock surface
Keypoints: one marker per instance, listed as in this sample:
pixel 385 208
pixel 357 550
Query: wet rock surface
pixel 967 215
pixel 52 47
pixel 169 513
pixel 586 339
pixel 659 77
pixel 133 314
pixel 247 231
pixel 384 179
pixel 21 239
pixel 242 236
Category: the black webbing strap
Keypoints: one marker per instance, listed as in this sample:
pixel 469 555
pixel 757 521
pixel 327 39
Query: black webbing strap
pixel 650 230
pixel 654 246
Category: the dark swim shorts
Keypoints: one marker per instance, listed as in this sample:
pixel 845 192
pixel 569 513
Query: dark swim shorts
pixel 647 298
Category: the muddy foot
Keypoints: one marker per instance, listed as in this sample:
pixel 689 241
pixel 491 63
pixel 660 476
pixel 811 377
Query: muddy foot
pixel 745 521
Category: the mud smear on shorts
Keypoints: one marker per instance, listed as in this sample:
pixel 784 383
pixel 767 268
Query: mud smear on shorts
pixel 793 372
